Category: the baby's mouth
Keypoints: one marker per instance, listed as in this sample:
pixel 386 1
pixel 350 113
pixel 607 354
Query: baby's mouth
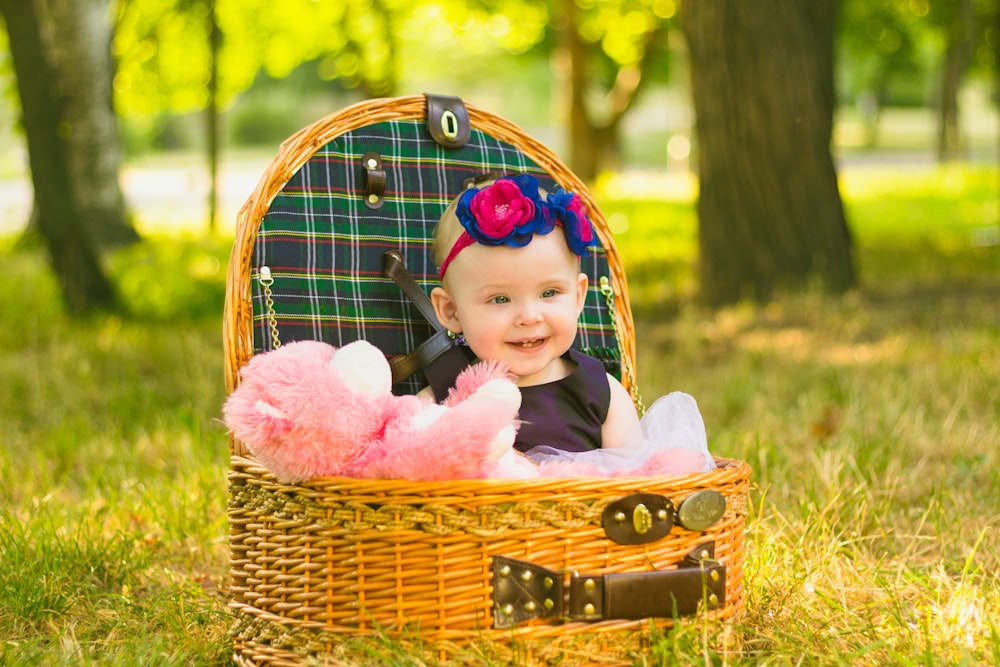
pixel 529 344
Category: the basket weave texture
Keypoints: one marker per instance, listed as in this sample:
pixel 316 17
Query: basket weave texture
pixel 324 570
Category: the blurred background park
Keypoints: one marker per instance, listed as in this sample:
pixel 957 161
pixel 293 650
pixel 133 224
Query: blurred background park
pixel 806 196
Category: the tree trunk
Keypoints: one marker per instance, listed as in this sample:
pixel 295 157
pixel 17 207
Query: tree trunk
pixel 594 145
pixel 582 149
pixel 770 213
pixel 961 32
pixel 212 116
pixel 78 43
pixel 61 218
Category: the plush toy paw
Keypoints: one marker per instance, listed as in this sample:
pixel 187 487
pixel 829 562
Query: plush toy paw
pixel 469 436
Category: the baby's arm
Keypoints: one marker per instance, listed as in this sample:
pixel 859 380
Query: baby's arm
pixel 622 422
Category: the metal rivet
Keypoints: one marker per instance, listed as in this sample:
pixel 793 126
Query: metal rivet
pixel 715 575
pixel 589 584
pixel 642 519
pixel 508 609
pixel 372 163
pixel 548 582
pixel 588 609
pixel 526 575
pixel 704 555
pixel 620 517
pixel 662 515
pixel 530 606
pixel 713 599
pixel 549 603
pixel 372 199
pixel 505 571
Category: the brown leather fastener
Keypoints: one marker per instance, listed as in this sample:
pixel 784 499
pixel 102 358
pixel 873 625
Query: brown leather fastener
pixel 523 591
pixel 440 358
pixel 405 365
pixel 448 120
pixel 374 180
pixel 664 593
pixel 638 518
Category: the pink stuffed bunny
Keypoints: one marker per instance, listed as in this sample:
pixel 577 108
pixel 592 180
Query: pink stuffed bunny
pixel 308 409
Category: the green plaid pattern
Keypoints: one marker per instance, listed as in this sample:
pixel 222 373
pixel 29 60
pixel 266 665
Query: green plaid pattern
pixel 324 247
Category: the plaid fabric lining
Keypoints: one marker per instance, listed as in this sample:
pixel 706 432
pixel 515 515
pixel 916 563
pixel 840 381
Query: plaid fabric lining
pixel 324 247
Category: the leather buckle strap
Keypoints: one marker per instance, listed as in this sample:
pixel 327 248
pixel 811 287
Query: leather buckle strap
pixel 394 267
pixel 524 591
pixel 439 357
pixel 405 365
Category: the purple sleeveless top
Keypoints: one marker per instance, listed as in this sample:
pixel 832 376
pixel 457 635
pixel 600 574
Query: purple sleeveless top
pixel 566 414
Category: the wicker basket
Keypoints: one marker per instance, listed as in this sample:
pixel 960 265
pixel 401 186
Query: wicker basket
pixel 327 571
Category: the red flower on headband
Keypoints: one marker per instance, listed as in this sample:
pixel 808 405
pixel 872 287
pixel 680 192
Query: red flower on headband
pixel 507 212
pixel 501 208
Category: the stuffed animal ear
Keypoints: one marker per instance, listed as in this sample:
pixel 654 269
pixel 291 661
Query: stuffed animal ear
pixel 363 368
pixel 254 423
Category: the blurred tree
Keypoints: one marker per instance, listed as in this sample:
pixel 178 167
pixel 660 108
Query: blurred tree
pixel 178 56
pixel 164 50
pixel 51 101
pixel 770 213
pixel 898 42
pixel 608 52
pixel 75 40
pixel 604 53
pixel 879 43
pixel 959 22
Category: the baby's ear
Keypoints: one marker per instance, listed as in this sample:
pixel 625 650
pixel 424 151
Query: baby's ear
pixel 445 309
pixel 581 292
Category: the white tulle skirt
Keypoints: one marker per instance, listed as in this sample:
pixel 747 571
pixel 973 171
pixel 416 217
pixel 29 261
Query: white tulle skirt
pixel 671 440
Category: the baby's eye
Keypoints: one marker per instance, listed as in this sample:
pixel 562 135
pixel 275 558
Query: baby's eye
pixel 549 293
pixel 500 299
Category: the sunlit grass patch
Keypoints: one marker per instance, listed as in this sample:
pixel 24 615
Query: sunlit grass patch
pixel 871 420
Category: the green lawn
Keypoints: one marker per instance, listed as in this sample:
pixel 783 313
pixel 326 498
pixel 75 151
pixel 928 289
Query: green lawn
pixel 871 421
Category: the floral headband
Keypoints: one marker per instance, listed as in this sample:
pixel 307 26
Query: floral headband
pixel 511 211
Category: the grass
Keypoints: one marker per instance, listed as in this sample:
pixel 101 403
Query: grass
pixel 871 421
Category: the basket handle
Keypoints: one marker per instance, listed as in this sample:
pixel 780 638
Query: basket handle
pixel 523 591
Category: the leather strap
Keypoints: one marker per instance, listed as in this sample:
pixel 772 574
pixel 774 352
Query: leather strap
pixel 374 180
pixel 394 267
pixel 448 120
pixel 405 365
pixel 439 357
pixel 524 591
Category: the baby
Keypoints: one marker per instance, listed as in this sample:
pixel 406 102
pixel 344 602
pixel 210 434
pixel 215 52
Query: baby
pixel 511 286
pixel 512 290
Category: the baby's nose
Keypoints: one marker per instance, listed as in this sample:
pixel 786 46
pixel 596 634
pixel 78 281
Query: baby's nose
pixel 530 313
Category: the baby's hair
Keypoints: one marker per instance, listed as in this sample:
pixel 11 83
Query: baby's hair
pixel 475 181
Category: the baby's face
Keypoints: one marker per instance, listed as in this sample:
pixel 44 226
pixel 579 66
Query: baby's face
pixel 519 305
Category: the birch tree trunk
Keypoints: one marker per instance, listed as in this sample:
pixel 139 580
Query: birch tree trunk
pixel 60 216
pixel 77 36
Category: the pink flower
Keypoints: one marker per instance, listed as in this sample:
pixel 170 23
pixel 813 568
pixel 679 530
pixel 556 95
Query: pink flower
pixel 500 208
